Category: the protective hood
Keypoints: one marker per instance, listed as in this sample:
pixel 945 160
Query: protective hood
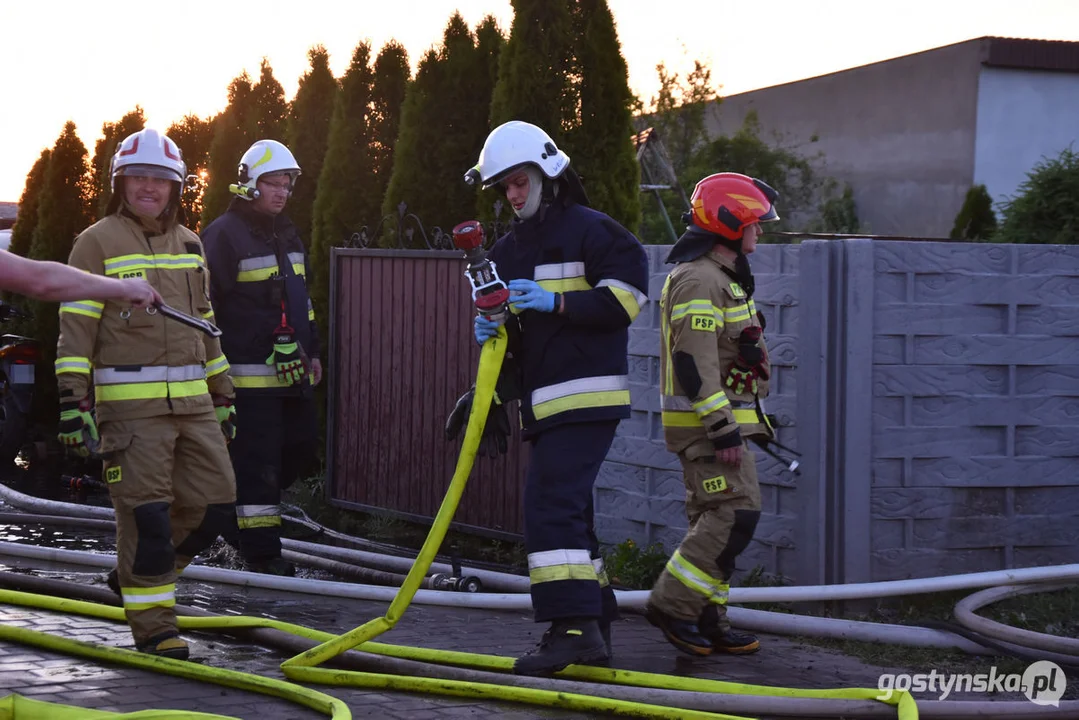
pixel 693 243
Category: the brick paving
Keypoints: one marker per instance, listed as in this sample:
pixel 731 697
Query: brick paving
pixel 54 677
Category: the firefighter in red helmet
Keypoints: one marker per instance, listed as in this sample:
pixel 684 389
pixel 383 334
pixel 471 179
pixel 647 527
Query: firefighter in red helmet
pixel 714 370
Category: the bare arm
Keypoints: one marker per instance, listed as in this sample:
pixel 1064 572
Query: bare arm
pixel 52 281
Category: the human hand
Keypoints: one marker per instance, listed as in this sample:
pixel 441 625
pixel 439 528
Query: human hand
pixel 730 456
pixel 139 293
pixel 530 296
pixel 316 371
pixel 485 329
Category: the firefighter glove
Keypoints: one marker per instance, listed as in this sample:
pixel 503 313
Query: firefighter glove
pixel 747 368
pixel 528 295
pixel 287 358
pixel 226 415
pixel 495 433
pixel 77 428
pixel 485 329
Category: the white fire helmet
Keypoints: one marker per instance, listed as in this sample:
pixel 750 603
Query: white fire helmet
pixel 148 153
pixel 265 157
pixel 512 146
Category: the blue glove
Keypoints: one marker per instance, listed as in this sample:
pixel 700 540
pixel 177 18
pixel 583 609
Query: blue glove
pixel 485 329
pixel 530 296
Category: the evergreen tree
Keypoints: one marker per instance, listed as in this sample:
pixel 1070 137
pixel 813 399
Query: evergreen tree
pixel 345 177
pixel 1045 208
pixel 270 108
pixel 63 212
pixel 391 80
pixel 308 134
pixel 104 149
pixel 601 148
pixel 193 136
pixel 233 131
pixel 417 141
pixel 976 219
pixel 535 68
pixel 443 125
pixel 23 232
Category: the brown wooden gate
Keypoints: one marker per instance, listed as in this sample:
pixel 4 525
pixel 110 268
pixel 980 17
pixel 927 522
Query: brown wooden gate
pixel 401 353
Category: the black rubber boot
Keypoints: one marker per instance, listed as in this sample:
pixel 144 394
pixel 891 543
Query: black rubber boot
pixel 168 645
pixel 725 640
pixel 605 632
pixel 566 642
pixel 683 634
pixel 273 566
pixel 113 581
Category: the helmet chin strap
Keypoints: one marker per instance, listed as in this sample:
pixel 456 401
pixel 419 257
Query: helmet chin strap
pixel 535 193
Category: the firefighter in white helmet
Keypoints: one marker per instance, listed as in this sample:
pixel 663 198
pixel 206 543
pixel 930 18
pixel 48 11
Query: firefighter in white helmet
pixel 577 280
pixel 259 269
pixel 155 387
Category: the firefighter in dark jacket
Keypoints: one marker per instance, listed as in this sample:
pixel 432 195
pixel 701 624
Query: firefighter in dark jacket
pixel 258 269
pixel 577 280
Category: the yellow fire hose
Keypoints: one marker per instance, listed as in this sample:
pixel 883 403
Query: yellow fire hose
pixel 304 667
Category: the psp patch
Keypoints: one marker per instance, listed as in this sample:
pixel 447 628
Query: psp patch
pixel 704 324
pixel 114 474
pixel 714 485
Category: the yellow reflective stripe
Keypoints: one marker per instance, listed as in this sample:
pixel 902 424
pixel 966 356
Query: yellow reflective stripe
pixel 208 315
pixel 667 381
pixel 311 314
pixel 565 285
pixel 257 522
pixel 711 404
pixel 582 401
pixel 251 381
pixel 217 366
pixel 150 390
pixel 746 416
pixel 128 263
pixel 601 572
pixel 256 275
pixel 680 418
pixel 555 573
pixel 79 365
pixel 697 580
pixel 683 418
pixel 588 392
pixel 139 598
pixel 738 313
pixel 298 268
pixel 89 308
pixel 693 307
pixel 565 564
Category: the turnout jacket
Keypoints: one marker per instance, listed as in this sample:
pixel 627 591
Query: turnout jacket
pixel 140 363
pixel 258 264
pixel 574 366
pixel 703 311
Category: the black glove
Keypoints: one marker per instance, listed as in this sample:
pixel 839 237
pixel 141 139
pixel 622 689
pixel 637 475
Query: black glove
pixel 495 432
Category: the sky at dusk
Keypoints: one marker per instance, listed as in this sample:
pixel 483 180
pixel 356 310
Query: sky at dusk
pixel 92 62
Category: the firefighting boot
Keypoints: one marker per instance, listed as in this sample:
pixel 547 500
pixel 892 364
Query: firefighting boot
pixel 683 634
pixel 722 637
pixel 273 566
pixel 605 632
pixel 168 645
pixel 113 581
pixel 566 642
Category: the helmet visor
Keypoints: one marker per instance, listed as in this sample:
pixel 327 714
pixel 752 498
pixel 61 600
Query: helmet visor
pixel 770 216
pixel 153 171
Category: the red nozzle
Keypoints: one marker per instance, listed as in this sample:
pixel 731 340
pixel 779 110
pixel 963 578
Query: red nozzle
pixel 468 235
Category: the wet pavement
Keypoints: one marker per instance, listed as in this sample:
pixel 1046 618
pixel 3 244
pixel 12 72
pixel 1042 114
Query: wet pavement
pixel 53 677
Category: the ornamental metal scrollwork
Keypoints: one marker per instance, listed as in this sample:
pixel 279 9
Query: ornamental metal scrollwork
pixel 409 233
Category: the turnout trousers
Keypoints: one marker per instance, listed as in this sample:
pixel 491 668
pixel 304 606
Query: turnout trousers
pixel 723 506
pixel 173 490
pixel 276 443
pixel 566 571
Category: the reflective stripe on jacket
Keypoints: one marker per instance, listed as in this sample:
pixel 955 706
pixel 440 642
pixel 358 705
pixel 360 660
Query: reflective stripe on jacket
pixel 574 366
pixel 702 313
pixel 140 363
pixel 258 262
